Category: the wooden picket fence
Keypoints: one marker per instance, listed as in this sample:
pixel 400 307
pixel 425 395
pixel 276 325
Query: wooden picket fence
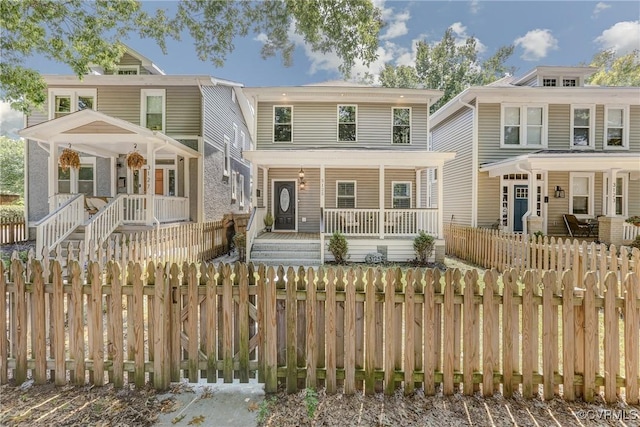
pixel 13 230
pixel 352 329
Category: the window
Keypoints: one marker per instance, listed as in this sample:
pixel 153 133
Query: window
pixel 524 125
pixel 234 185
pixel 83 176
pixel 65 101
pixel 346 194
pixel 153 109
pixel 227 156
pixel 620 195
pixel 582 118
pixel 282 123
pixel 615 129
pixel 128 70
pixel 85 180
pixel 552 82
pixel 401 195
pixel 570 82
pixel 241 190
pixel 243 141
pixel 401 125
pixel 235 135
pixel 347 123
pixel 64 180
pixel 581 197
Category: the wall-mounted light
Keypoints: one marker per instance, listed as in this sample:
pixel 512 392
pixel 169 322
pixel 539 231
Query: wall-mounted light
pixel 303 185
pixel 559 193
pixel 301 173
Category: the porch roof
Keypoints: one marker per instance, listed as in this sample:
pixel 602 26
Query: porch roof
pixel 565 161
pixel 96 133
pixel 348 158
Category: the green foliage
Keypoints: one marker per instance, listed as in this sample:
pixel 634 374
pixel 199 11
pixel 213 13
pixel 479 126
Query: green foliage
pixel 616 70
pixel 265 409
pixel 12 166
pixel 338 247
pixel 11 211
pixel 240 240
pixel 537 236
pixel 79 33
pixel 633 219
pixel 311 401
pixel 268 220
pixel 448 66
pixel 423 245
pixel 636 243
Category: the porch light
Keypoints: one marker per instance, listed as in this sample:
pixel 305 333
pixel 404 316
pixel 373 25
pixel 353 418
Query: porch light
pixel 559 193
pixel 301 174
pixel 302 185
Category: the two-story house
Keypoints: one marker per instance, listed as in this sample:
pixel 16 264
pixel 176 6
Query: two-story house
pixel 534 148
pixel 340 157
pixel 190 131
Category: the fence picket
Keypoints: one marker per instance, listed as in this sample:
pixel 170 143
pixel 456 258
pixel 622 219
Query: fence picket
pixel 330 332
pixel 489 326
pixel 631 337
pixel 509 324
pixel 350 334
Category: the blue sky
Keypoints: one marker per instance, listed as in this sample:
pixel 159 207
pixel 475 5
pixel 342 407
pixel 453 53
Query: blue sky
pixel 544 33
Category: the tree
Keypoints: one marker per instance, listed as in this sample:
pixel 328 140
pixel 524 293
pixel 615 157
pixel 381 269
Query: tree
pixel 449 66
pixel 11 166
pixel 80 32
pixel 616 71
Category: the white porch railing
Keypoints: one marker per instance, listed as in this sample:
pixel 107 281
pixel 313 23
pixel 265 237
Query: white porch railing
pixel 629 231
pixel 395 222
pixel 135 209
pixel 56 226
pixel 254 226
pixel 168 209
pixel 58 200
pixel 104 222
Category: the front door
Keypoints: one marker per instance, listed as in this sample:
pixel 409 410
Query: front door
pixel 284 205
pixel 520 205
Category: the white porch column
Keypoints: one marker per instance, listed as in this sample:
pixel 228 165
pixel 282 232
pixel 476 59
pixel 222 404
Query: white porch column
pixel 265 194
pixel 187 187
pixel 532 223
pixel 74 174
pixel 440 202
pixel 418 189
pixel 254 185
pixel 322 195
pixel 113 175
pixel 381 199
pixel 611 191
pixel 151 183
pixel 53 175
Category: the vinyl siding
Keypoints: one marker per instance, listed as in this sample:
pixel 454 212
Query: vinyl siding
pixel 634 131
pixel 633 204
pixel 128 59
pixel 367 186
pixel 398 175
pixel 559 126
pixel 315 126
pixel 488 199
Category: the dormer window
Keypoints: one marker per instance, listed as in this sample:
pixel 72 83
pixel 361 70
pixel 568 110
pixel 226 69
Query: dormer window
pixel 128 70
pixel 563 81
pixel 551 82
pixel 570 82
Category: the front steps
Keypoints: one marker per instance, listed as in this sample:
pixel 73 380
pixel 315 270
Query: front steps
pixel 292 253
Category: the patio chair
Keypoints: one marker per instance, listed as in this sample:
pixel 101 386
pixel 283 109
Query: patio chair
pixel 576 227
pixel 348 222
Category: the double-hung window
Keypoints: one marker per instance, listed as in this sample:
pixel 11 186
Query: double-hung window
pixel 152 114
pixel 401 125
pixel 282 123
pixel 227 156
pixel 582 126
pixel 524 125
pixel 581 201
pixel 346 194
pixel 620 195
pixel 616 130
pixel 241 190
pixel 66 101
pixel 234 185
pixel 347 123
pixel 401 195
pixel 83 178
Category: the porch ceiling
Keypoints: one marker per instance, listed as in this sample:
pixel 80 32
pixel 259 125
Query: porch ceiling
pixel 96 133
pixel 565 162
pixel 347 158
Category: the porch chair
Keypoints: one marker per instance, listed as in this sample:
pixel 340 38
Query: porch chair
pixel 576 227
pixel 348 221
pixel 93 204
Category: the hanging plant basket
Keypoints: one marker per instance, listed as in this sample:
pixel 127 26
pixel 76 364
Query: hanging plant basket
pixel 69 159
pixel 135 160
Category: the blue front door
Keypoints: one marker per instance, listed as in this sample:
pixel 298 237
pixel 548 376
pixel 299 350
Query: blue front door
pixel 520 205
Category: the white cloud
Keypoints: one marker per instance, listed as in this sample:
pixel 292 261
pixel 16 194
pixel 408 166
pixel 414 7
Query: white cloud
pixel 536 44
pixel 460 32
pixel 474 7
pixel 622 37
pixel 599 8
pixel 397 26
pixel 11 121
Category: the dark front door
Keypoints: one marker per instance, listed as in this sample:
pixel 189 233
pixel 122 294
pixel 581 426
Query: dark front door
pixel 520 205
pixel 285 205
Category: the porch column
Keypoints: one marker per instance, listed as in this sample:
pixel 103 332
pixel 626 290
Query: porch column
pixel 532 222
pixel 114 176
pixel 418 189
pixel 265 194
pixel 254 185
pixel 440 202
pixel 53 174
pixel 611 190
pixel 74 174
pixel 187 188
pixel 381 199
pixel 151 183
pixel 322 193
pixel 611 226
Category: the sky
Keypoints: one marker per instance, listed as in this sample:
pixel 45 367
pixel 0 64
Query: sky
pixel 543 33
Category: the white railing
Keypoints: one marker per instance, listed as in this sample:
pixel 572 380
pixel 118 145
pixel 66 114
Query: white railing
pixel 104 222
pixel 135 209
pixel 254 226
pixel 169 209
pixel 629 231
pixel 58 200
pixel 56 226
pixel 366 222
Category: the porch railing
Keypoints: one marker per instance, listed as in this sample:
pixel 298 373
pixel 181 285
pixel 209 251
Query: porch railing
pixel 255 224
pixel 135 209
pixel 395 222
pixel 58 200
pixel 629 231
pixel 104 222
pixel 56 226
pixel 169 209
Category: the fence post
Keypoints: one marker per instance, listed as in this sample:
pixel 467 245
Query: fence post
pixel 631 337
pixel 350 335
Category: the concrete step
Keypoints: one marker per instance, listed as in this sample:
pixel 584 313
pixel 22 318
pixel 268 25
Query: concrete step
pixel 285 254
pixel 287 262
pixel 287 247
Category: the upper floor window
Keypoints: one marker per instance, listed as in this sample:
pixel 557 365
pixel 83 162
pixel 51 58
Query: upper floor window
pixel 401 125
pixel 569 82
pixel 550 82
pixel 241 190
pixel 346 194
pixel 243 141
pixel 128 70
pixel 524 125
pixel 401 195
pixel 282 123
pixel 65 101
pixel 581 196
pixel 615 127
pixel 582 125
pixel 153 109
pixel 235 135
pixel 234 185
pixel 560 81
pixel 227 156
pixel 347 123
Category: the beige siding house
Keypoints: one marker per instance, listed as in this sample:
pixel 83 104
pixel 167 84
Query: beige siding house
pixel 533 149
pixel 341 158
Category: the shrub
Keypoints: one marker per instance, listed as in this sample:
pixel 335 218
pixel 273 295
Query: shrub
pixel 537 237
pixel 268 220
pixel 12 211
pixel 338 247
pixel 633 219
pixel 240 242
pixel 636 243
pixel 423 245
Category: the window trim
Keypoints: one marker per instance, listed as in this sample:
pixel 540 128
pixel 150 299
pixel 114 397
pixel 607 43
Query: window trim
pixel 73 94
pixel 625 194
pixel 625 127
pixel 235 135
pixel 523 125
pixel 393 197
pixel 591 202
pixel 338 122
pixel 144 93
pixel 592 126
pixel 74 175
pixel 234 185
pixel 559 80
pixel 241 190
pixel 227 156
pixel 243 140
pixel 393 124
pixel 273 124
pixel 355 192
pixel 128 68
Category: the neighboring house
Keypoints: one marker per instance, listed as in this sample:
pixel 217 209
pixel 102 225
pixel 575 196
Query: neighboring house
pixel 340 157
pixel 534 148
pixel 191 131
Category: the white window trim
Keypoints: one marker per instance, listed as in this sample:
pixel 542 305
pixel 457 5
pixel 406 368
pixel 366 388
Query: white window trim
pixel 273 124
pixel 127 68
pixel 591 204
pixel 234 177
pixel 393 184
pixel 235 135
pixel 392 124
pixel 592 126
pixel 241 191
pixel 166 168
pixel 523 125
pixel 625 127
pixel 338 122
pixel 74 174
pixel 559 80
pixel 143 106
pixel 625 194
pixel 355 192
pixel 243 140
pixel 233 95
pixel 73 94
pixel 227 156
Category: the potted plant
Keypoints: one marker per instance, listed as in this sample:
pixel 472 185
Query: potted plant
pixel 635 220
pixel 69 159
pixel 268 222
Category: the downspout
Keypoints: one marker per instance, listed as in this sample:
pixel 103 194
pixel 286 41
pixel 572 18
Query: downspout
pixel 528 212
pixel 474 164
